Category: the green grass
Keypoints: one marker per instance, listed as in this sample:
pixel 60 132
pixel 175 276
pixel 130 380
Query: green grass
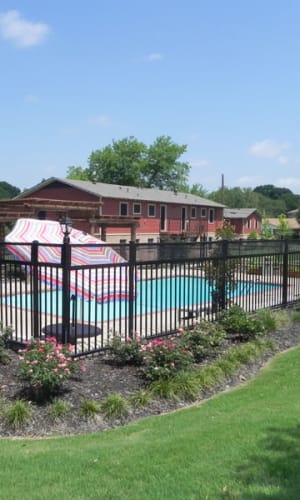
pixel 241 444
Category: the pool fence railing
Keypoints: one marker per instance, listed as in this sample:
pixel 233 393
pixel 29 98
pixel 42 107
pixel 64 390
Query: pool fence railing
pixel 158 288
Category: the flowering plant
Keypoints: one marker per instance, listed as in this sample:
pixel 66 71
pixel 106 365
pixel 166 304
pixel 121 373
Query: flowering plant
pixel 45 364
pixel 203 340
pixel 164 358
pixel 126 352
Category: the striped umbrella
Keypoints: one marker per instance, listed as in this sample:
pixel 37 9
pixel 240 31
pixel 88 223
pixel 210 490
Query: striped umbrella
pixel 103 284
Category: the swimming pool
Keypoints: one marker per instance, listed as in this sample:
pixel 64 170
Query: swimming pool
pixel 180 292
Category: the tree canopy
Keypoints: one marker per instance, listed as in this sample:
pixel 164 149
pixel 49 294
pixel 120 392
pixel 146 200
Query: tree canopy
pixel 267 199
pixel 8 190
pixel 130 162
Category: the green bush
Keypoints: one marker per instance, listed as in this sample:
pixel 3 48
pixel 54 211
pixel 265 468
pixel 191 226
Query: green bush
pixel 140 399
pixel 126 353
pixel 267 318
pixel 115 406
pixel 17 414
pixel 4 337
pixel 58 409
pixel 164 388
pixel 238 323
pixel 89 408
pixel 186 386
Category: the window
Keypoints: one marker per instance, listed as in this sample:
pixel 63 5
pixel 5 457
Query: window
pixel 122 242
pixel 41 215
pixel 203 212
pixel 150 240
pixel 123 208
pixel 136 209
pixel 183 218
pixel 193 212
pixel 211 215
pixel 151 210
pixel 163 217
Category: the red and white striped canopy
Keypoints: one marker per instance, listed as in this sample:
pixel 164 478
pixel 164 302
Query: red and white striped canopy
pixel 102 284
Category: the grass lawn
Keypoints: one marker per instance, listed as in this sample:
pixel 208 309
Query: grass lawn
pixel 241 444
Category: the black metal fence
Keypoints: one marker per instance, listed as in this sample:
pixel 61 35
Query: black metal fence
pixel 159 288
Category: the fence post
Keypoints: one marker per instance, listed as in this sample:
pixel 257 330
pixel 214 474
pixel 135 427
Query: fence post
pixel 223 287
pixel 66 264
pixel 35 288
pixel 285 269
pixel 131 277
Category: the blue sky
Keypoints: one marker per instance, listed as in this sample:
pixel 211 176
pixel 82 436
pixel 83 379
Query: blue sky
pixel 221 76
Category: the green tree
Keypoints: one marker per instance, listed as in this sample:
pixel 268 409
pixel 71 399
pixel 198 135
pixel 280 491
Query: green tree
pixel 130 162
pixel 122 162
pixel 226 232
pixel 198 190
pixel 272 192
pixel 236 197
pixel 8 190
pixel 283 229
pixel 162 168
pixel 266 230
pixel 77 173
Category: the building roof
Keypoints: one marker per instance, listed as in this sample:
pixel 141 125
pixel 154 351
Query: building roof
pixel 292 223
pixel 129 192
pixel 238 213
pixel 293 213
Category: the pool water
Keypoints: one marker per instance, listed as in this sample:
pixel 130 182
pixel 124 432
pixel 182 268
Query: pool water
pixel 184 292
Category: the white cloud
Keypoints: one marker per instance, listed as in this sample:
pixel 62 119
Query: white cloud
pixel 20 31
pixel 154 56
pixel 289 182
pixel 199 163
pixel 282 159
pixel 102 121
pixel 270 149
pixel 248 181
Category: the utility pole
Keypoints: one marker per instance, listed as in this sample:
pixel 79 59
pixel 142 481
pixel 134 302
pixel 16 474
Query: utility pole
pixel 222 188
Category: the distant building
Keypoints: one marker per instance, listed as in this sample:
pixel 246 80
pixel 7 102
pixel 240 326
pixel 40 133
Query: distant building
pixel 293 226
pixel 126 212
pixel 244 220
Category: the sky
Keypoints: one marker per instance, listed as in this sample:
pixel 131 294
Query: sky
pixel 220 76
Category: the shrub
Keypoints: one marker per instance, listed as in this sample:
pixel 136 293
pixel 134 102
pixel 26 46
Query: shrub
pixel 89 408
pixel 164 358
pixel 267 318
pixel 115 406
pixel 140 398
pixel 2 405
pixel 164 388
pixel 45 365
pixel 58 409
pixel 186 386
pixel 128 352
pixel 203 340
pixel 4 337
pixel 209 376
pixel 17 414
pixel 237 322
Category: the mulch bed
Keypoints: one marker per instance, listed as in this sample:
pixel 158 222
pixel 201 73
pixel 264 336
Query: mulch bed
pixel 101 379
